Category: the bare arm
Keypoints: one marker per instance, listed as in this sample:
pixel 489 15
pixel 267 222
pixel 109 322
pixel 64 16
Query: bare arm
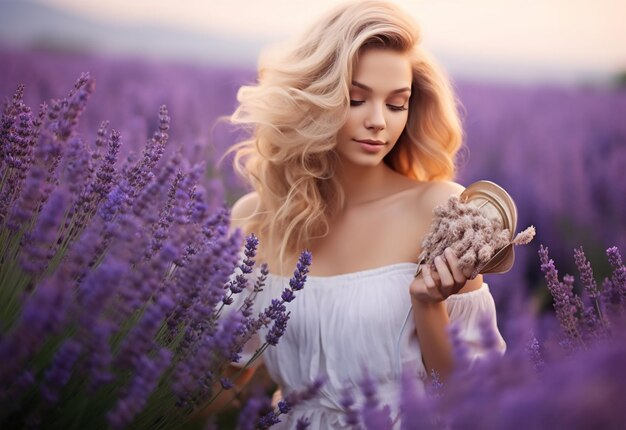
pixel 431 324
pixel 429 290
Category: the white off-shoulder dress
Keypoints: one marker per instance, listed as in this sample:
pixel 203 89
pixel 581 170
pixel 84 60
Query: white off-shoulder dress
pixel 342 324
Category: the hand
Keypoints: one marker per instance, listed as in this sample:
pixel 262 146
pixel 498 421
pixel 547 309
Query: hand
pixel 437 285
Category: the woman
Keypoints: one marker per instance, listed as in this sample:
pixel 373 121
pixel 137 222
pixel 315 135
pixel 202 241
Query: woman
pixel 354 135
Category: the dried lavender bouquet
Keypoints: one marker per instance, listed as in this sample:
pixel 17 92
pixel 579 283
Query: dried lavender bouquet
pixel 477 234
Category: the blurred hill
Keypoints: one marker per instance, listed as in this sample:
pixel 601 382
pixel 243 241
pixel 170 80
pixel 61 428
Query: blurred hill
pixel 45 27
pixel 35 24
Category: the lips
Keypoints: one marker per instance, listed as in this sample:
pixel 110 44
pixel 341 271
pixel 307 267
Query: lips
pixel 371 146
pixel 370 142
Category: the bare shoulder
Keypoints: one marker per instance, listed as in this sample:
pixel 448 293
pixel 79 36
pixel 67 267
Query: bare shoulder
pixel 243 209
pixel 438 192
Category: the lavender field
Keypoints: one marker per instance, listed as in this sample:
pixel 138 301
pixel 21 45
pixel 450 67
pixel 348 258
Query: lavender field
pixel 560 152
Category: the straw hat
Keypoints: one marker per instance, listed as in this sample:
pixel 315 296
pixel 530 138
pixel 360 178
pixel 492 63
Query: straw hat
pixel 493 201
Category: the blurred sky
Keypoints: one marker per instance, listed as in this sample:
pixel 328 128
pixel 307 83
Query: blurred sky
pixel 554 37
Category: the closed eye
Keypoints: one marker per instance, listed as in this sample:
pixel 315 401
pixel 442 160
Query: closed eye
pixel 356 102
pixel 397 108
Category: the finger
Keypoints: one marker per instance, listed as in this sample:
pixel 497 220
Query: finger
pixel 459 276
pixel 447 281
pixel 418 289
pixel 431 285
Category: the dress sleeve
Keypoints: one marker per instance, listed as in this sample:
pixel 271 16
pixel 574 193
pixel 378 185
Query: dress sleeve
pixel 474 314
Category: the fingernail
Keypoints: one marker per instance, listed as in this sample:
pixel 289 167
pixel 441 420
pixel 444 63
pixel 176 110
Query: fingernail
pixel 438 259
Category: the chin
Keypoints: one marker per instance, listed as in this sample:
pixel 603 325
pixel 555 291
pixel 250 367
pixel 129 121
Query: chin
pixel 363 160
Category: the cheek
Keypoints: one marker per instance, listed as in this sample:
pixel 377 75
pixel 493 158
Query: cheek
pixel 397 123
pixel 349 127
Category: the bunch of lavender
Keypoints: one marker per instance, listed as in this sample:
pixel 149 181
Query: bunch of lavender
pixel 113 275
pixel 475 237
pixel 573 383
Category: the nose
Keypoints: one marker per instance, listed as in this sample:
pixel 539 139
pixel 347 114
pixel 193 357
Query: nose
pixel 375 119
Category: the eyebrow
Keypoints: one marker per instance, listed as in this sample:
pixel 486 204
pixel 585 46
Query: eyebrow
pixel 366 88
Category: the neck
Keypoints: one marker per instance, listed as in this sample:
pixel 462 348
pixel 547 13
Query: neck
pixel 362 184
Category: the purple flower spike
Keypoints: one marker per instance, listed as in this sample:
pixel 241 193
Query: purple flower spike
pixel 564 302
pixel 586 273
pixel 268 420
pixel 116 200
pixel 347 402
pixel 459 348
pixel 283 406
pixel 144 381
pixel 278 329
pixel 303 423
pixel 59 373
pixel 226 383
pixel 99 358
pixel 416 409
pixel 534 353
pixel 373 416
pixel 140 339
pixel 302 268
pixel 618 280
pixel 288 295
pixel 257 406
pixel 41 244
pixel 489 337
pixel 30 199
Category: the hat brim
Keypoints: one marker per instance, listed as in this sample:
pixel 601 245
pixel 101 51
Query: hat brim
pixel 487 192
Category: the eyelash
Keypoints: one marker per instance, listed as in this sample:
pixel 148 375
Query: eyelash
pixel 392 107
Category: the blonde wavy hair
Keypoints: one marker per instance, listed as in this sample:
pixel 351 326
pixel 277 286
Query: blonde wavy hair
pixel 301 101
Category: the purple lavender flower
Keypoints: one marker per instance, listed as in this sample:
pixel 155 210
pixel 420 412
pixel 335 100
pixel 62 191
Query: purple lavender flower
pixel 226 383
pixel 160 229
pixel 29 201
pixel 563 297
pixel 99 356
pixel 240 282
pixel 141 386
pixel 40 244
pixel 303 423
pixel 105 175
pixel 138 175
pixel 74 105
pixel 586 273
pixel 347 402
pixel 459 347
pixel 99 285
pixel 43 314
pixel 60 371
pixel 288 295
pixel 297 397
pixel 302 268
pixel 140 339
pixel 278 328
pixel 255 407
pixel 618 280
pixel 534 354
pixel 416 409
pixel 268 420
pixel 78 158
pixel 373 416
pixel 115 202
